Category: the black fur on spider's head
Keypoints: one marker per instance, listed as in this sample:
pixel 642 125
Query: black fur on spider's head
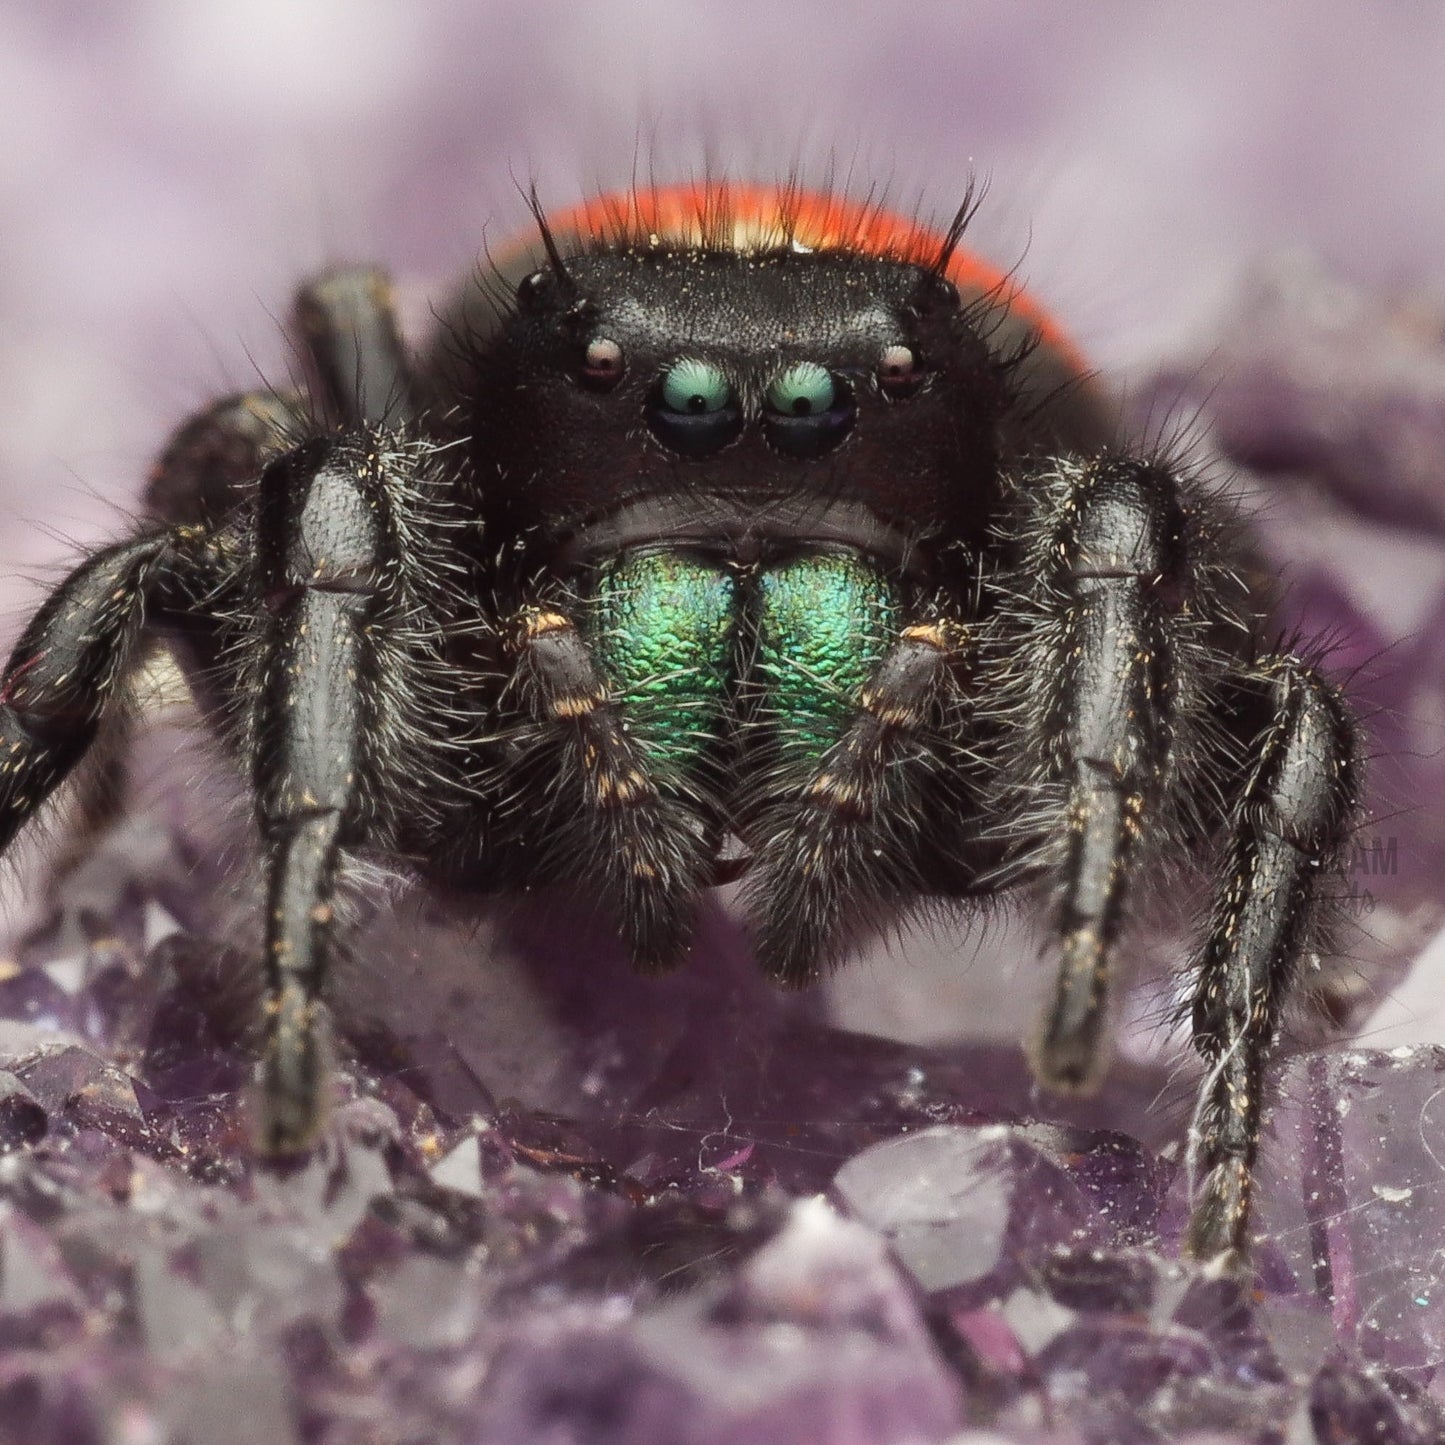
pixel 709 366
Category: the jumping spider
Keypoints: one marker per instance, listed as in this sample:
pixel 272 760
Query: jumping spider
pixel 755 533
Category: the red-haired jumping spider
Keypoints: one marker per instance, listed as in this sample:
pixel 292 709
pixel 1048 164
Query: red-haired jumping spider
pixel 755 532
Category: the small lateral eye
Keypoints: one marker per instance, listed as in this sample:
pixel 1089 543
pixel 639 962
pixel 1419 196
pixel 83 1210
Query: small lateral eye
pixel 602 364
pixel 695 388
pixel 898 371
pixel 804 389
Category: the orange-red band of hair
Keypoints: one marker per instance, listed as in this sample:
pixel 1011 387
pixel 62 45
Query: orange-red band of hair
pixel 730 215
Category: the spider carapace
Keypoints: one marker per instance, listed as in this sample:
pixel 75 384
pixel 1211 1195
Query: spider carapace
pixel 739 531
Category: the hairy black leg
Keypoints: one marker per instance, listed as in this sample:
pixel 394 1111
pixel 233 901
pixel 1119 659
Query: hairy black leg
pixel 841 847
pixel 212 461
pixel 98 781
pixel 610 825
pixel 1289 830
pixel 71 662
pixel 208 468
pixel 1104 630
pixel 349 328
pixel 336 582
pixel 360 377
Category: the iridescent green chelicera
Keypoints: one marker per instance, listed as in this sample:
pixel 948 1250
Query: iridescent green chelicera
pixel 823 623
pixel 662 627
pixel 674 634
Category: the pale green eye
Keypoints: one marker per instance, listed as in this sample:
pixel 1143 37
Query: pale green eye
pixel 693 411
pixel 695 388
pixel 804 389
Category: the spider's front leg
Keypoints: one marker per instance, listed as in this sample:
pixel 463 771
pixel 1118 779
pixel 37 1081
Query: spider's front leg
pixel 323 635
pixel 340 721
pixel 1290 824
pixel 1134 719
pixel 1097 638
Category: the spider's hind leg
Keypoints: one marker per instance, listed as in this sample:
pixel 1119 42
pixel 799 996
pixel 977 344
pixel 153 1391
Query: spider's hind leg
pixel 1290 825
pixel 359 372
pixel 357 376
pixel 208 468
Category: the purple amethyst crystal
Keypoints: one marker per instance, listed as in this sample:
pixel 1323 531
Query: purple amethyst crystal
pixel 1354 1210
pixel 22 1117
pixel 967 1210
pixel 812 1336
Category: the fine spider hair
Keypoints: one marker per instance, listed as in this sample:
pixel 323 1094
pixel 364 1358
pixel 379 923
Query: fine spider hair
pixel 756 533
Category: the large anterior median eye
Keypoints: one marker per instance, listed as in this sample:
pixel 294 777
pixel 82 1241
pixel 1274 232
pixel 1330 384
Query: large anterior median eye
pixel 802 390
pixel 810 410
pixel 695 387
pixel 693 410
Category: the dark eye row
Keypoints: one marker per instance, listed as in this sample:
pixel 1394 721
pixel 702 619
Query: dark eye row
pixel 693 411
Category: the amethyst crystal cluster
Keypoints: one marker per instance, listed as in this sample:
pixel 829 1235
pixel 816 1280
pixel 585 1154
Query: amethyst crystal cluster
pixel 558 1204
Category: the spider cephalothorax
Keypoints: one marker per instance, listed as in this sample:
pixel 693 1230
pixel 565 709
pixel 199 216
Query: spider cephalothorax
pixel 756 533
